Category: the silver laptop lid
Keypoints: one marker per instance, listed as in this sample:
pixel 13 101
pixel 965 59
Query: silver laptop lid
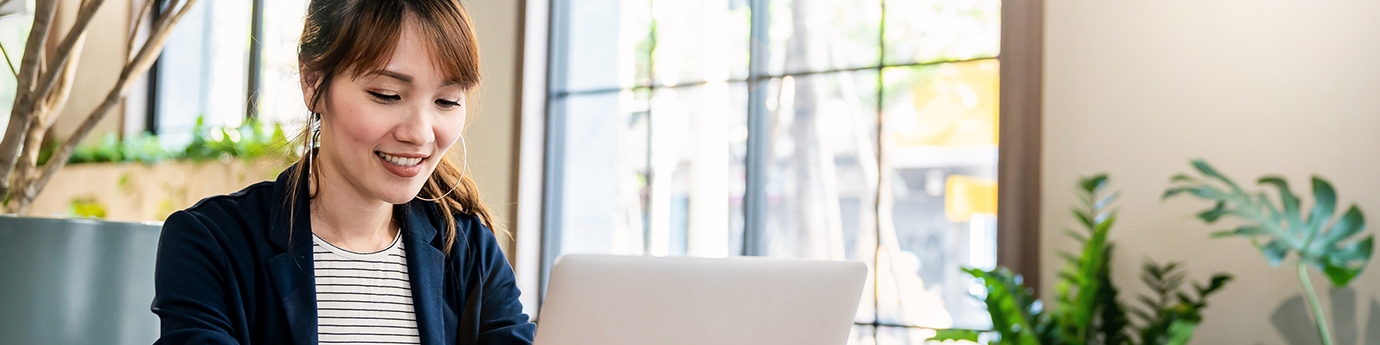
pixel 626 300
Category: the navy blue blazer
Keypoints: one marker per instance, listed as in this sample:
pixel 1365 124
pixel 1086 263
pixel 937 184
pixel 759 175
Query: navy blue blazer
pixel 229 272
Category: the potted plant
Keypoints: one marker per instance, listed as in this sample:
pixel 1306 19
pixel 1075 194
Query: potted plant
pixel 70 265
pixel 1320 240
pixel 1087 309
pixel 45 84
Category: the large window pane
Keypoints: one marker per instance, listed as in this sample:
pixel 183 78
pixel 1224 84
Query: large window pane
pixel 656 173
pixel 941 128
pixel 700 40
pixel 822 175
pixel 280 91
pixel 698 144
pixel 604 188
pixel 603 44
pixel 915 201
pixel 822 35
pixel 202 72
pixel 921 31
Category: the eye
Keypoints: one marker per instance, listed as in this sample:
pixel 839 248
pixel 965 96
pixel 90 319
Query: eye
pixel 384 98
pixel 447 104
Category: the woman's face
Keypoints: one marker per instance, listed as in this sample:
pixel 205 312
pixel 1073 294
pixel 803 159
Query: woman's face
pixel 382 134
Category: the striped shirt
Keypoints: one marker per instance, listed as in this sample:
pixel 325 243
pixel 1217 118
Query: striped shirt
pixel 363 298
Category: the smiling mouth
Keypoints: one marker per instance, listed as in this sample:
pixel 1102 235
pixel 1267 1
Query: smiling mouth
pixel 399 161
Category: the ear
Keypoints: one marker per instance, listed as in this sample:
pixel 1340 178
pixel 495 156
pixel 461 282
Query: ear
pixel 311 82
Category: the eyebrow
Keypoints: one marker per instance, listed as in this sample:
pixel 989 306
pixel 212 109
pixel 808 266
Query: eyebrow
pixel 407 78
pixel 395 75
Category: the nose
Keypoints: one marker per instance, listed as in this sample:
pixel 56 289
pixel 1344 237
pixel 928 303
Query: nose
pixel 415 128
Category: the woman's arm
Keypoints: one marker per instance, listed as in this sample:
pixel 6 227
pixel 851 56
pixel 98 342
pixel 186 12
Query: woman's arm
pixel 190 283
pixel 501 319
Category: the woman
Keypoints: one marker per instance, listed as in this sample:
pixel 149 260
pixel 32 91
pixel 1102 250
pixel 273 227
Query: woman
pixel 375 235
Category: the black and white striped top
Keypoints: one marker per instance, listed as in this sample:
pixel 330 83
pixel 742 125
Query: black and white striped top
pixel 363 298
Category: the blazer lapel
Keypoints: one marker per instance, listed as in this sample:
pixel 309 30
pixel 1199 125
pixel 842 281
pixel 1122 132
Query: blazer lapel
pixel 297 289
pixel 426 271
pixel 293 271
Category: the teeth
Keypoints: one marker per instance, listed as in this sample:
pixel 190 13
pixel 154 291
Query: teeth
pixel 407 162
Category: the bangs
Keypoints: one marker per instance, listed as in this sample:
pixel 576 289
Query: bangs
pixel 366 43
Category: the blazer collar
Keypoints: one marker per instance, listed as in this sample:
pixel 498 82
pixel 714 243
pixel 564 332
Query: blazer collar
pixel 285 218
pixel 295 218
pixel 293 270
pixel 426 266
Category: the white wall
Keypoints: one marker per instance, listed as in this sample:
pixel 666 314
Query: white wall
pixel 1137 88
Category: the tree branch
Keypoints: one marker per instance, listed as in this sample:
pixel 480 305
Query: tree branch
pixel 46 114
pixel 8 62
pixel 23 169
pixel 21 113
pixel 141 62
pixel 64 49
pixel 55 101
pixel 134 32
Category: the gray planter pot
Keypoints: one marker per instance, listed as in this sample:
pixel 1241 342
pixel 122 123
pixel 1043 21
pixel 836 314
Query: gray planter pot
pixel 76 281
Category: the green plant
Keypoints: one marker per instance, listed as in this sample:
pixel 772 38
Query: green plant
pixel 145 148
pixel 251 140
pixel 1087 309
pixel 1017 317
pixel 86 207
pixel 1317 241
pixel 1171 315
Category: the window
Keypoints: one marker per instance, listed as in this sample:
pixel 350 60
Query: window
pixel 827 129
pixel 226 60
pixel 202 71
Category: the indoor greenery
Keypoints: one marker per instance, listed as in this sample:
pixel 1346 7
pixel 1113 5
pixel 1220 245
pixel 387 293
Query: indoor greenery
pixel 1317 240
pixel 252 140
pixel 1087 309
pixel 249 141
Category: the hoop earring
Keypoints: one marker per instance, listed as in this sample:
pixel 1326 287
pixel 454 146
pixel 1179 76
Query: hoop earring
pixel 313 139
pixel 315 124
pixel 465 164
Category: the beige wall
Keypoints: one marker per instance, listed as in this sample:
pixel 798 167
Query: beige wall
pixel 1137 88
pixel 492 133
pixel 97 69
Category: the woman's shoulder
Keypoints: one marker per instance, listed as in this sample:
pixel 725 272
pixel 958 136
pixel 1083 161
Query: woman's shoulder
pixel 247 207
pixel 254 198
pixel 470 227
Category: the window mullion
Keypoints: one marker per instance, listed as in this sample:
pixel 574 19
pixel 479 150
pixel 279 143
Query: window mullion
pixel 256 48
pixel 754 194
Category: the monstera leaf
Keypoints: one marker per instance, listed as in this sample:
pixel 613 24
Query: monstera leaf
pixel 1320 240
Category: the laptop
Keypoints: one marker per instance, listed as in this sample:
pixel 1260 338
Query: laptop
pixel 627 300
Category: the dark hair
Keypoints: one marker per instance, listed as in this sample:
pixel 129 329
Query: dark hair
pixel 357 37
